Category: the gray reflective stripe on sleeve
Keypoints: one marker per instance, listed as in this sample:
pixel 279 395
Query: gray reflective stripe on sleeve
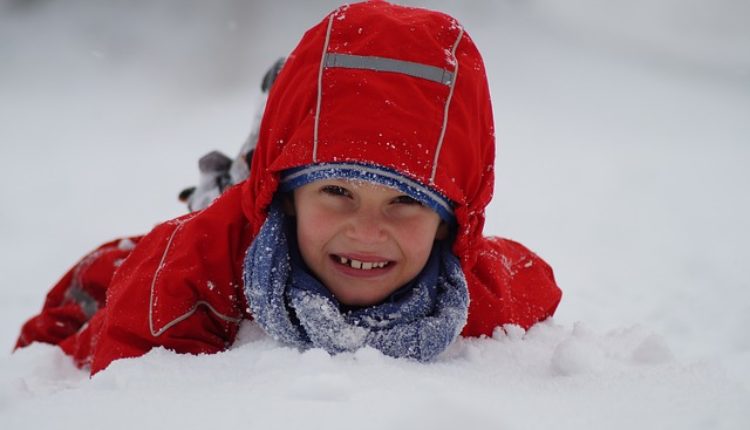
pixel 447 107
pixel 88 304
pixel 76 293
pixel 381 64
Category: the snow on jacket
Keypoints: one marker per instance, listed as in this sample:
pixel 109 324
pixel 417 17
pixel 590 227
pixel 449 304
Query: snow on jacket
pixel 399 87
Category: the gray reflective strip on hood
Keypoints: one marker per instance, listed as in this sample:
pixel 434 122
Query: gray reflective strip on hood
pixel 381 64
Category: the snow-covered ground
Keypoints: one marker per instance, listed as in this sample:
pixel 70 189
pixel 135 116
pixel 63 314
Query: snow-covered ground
pixel 624 145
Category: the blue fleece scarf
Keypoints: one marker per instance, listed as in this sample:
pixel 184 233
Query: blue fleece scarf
pixel 417 321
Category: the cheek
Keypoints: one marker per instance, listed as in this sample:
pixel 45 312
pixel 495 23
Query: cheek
pixel 417 238
pixel 313 232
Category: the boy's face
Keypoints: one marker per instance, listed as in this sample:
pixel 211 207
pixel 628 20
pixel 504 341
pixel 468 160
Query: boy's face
pixel 363 240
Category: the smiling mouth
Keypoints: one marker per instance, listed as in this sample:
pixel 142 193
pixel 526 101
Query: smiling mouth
pixel 360 265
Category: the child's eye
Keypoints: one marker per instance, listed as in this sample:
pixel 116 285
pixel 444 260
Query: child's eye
pixel 335 190
pixel 407 200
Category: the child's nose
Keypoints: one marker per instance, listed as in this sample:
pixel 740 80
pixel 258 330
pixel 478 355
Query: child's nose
pixel 367 228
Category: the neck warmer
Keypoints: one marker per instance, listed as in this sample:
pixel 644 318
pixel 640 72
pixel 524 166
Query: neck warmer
pixel 417 321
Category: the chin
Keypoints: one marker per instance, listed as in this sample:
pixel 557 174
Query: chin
pixel 357 301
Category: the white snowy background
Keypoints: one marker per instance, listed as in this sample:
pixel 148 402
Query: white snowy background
pixel 624 151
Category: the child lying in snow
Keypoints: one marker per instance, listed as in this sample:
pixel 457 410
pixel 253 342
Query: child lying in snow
pixel 360 222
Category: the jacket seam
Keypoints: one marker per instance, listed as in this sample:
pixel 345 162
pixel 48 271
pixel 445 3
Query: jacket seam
pixel 320 88
pixel 189 313
pixel 447 107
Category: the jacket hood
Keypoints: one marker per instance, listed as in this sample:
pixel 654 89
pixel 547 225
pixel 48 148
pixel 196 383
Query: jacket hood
pixel 399 88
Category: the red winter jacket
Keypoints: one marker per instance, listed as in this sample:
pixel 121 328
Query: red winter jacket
pixel 399 87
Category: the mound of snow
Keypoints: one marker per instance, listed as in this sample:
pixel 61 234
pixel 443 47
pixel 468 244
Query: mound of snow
pixel 549 377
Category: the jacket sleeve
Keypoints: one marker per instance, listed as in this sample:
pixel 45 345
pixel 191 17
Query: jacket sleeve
pixel 508 284
pixel 180 289
pixel 77 296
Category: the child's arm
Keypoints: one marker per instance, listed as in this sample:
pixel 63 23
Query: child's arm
pixel 180 289
pixel 509 285
pixel 77 296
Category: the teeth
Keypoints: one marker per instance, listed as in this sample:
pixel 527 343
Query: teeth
pixel 356 264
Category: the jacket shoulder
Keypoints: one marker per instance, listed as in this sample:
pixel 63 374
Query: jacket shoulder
pixel 508 284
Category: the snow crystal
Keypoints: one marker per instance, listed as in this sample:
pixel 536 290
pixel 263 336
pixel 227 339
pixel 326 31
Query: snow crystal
pixel 346 337
pixel 125 245
pixel 509 331
pixel 449 58
pixel 341 12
